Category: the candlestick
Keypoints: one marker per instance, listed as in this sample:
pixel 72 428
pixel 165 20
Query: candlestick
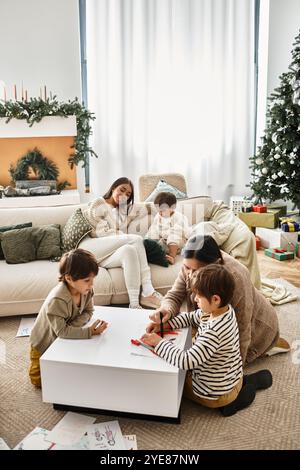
pixel 45 92
pixel 15 92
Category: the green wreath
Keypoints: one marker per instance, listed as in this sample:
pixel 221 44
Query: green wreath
pixel 43 168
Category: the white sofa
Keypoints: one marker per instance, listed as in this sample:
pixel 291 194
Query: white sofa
pixel 24 287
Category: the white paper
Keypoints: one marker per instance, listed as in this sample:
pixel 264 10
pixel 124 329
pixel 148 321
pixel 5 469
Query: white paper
pixel 70 429
pixel 25 326
pixel 177 340
pixel 106 436
pixel 130 441
pixel 83 444
pixel 35 441
pixel 3 445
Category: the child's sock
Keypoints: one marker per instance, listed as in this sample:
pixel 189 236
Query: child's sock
pixel 260 380
pixel 134 295
pixel 244 399
pixel 148 289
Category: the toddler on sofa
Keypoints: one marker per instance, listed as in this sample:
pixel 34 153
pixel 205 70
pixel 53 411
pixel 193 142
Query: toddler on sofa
pixel 169 227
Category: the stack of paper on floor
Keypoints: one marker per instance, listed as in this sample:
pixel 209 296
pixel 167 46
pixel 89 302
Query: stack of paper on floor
pixel 77 432
pixel 3 445
pixel 25 327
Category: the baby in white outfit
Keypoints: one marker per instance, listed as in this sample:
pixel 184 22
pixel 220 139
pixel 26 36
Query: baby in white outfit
pixel 169 227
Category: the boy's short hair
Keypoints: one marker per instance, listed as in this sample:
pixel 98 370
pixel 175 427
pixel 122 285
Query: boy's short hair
pixel 78 264
pixel 214 279
pixel 165 198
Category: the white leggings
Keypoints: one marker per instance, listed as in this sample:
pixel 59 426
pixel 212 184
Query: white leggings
pixel 131 256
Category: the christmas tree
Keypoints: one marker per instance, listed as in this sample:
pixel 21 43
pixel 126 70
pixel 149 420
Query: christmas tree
pixel 276 165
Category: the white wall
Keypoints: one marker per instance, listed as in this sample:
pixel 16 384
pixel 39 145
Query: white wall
pixel 39 44
pixel 284 25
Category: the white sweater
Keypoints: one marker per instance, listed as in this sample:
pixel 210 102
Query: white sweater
pixel 170 230
pixel 104 221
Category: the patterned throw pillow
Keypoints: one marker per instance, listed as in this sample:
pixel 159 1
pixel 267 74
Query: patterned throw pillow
pixel 163 186
pixel 74 231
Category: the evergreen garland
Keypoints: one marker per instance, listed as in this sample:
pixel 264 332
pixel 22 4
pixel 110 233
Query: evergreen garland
pixel 276 166
pixel 35 109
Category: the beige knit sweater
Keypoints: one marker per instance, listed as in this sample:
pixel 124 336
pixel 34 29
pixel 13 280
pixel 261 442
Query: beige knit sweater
pixel 105 220
pixel 60 317
pixel 257 319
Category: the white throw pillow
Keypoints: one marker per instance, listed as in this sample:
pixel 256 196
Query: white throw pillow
pixel 163 186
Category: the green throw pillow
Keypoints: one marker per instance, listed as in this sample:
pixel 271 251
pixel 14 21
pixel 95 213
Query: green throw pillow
pixel 29 244
pixel 74 231
pixel 155 253
pixel 12 227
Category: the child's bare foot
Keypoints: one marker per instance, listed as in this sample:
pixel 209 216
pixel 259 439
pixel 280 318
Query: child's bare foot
pixel 170 259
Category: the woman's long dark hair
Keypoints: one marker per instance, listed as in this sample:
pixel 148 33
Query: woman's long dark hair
pixel 204 249
pixel 119 182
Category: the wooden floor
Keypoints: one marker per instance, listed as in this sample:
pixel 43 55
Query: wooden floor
pixel 271 268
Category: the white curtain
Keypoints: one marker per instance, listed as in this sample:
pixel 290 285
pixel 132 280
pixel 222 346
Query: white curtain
pixel 171 83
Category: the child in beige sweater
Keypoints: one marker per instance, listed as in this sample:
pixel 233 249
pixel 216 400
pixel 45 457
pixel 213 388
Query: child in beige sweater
pixel 66 309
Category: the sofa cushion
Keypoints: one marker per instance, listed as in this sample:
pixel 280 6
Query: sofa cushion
pixel 163 186
pixel 155 253
pixel 28 244
pixel 196 209
pixel 76 228
pixel 12 227
pixel 23 290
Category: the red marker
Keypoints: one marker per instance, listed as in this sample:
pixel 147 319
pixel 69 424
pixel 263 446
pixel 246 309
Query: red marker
pixel 137 342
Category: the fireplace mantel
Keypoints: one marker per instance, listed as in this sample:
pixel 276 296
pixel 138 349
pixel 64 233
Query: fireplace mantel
pixel 49 126
pixel 65 198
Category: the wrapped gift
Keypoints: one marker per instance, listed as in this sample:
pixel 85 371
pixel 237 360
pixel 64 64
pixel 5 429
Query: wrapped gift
pixel 258 243
pixel 279 254
pixel 297 250
pixel 261 208
pixel 256 219
pixel 272 238
pixel 277 206
pixel 289 225
pixel 247 207
pixel 236 204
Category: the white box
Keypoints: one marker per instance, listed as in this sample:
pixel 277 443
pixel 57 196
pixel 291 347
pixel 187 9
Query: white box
pixel 237 202
pixel 105 372
pixel 276 238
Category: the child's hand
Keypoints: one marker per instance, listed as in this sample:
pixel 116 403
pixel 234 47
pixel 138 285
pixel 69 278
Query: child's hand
pixel 170 259
pixel 155 328
pixel 98 327
pixel 152 339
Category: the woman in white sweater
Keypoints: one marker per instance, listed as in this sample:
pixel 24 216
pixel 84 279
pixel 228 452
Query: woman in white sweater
pixel 109 216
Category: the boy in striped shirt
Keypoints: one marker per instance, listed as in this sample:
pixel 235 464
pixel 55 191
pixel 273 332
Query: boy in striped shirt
pixel 215 378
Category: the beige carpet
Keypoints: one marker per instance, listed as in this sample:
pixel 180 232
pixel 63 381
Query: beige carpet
pixel 271 422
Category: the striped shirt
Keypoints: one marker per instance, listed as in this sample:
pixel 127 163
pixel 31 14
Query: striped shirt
pixel 214 358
